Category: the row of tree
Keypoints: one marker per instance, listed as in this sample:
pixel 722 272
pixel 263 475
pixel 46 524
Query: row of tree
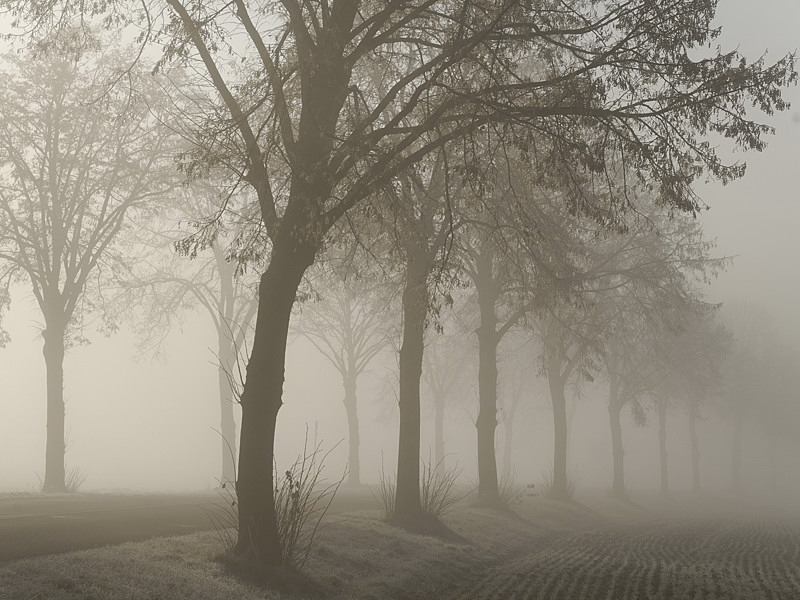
pixel 537 152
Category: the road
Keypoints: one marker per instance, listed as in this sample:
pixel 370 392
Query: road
pixel 34 525
pixel 38 524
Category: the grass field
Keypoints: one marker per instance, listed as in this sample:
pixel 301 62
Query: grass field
pixel 547 550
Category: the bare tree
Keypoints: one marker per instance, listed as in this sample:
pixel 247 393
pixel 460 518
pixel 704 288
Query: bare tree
pixel 80 161
pixel 348 325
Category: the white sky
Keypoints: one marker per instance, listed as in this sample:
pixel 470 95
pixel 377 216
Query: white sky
pixel 757 218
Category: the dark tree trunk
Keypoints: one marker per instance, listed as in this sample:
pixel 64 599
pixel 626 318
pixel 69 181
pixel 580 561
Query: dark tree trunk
pixel 560 488
pixel 736 459
pixel 261 400
pixel 508 446
pixel 661 408
pixel 438 429
pixel 695 450
pixel 486 423
pixel 353 440
pixel 54 343
pixel 227 422
pixel 617 452
pixel 415 309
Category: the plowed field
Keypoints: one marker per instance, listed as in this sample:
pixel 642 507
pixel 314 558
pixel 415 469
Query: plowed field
pixel 672 559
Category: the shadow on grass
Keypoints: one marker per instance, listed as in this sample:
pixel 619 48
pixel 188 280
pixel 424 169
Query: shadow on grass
pixel 427 526
pixel 287 581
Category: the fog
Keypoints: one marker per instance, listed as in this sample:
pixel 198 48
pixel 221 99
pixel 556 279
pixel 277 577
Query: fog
pixel 589 347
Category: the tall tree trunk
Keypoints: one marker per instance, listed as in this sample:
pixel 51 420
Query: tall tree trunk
pixel 227 354
pixel 560 489
pixel 261 400
pixel 508 446
pixel 54 334
pixel 353 440
pixel 661 408
pixel 617 452
pixel 695 450
pixel 486 423
pixel 415 309
pixel 438 429
pixel 227 422
pixel 736 458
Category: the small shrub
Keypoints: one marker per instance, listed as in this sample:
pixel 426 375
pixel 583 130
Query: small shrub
pixel 74 479
pixel 301 501
pixel 224 514
pixel 439 491
pixel 547 483
pixel 511 493
pixel 384 492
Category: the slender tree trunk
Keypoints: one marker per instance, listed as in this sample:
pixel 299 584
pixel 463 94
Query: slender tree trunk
pixel 695 450
pixel 415 309
pixel 227 422
pixel 54 472
pixel 661 408
pixel 617 452
pixel 486 423
pixel 353 440
pixel 261 400
pixel 736 458
pixel 572 409
pixel 227 354
pixel 508 446
pixel 438 429
pixel 560 489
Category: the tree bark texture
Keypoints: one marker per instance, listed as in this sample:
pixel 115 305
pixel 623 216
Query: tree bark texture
pixel 736 458
pixel 353 439
pixel 486 424
pixel 695 450
pixel 415 310
pixel 261 400
pixel 53 351
pixel 560 487
pixel 227 424
pixel 615 405
pixel 661 409
pixel 438 430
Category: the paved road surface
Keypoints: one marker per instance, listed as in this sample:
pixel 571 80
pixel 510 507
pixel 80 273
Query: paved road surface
pixel 34 525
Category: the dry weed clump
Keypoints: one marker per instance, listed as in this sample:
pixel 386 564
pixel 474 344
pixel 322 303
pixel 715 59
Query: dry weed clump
pixel 439 490
pixel 547 484
pixel 302 499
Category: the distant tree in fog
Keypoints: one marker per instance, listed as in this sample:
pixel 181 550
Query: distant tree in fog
pixel 446 376
pixel 348 323
pixel 195 264
pixel 691 358
pixel 81 159
pixel 760 385
pixel 651 292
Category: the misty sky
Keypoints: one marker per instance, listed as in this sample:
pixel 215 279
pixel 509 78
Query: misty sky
pixel 149 424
